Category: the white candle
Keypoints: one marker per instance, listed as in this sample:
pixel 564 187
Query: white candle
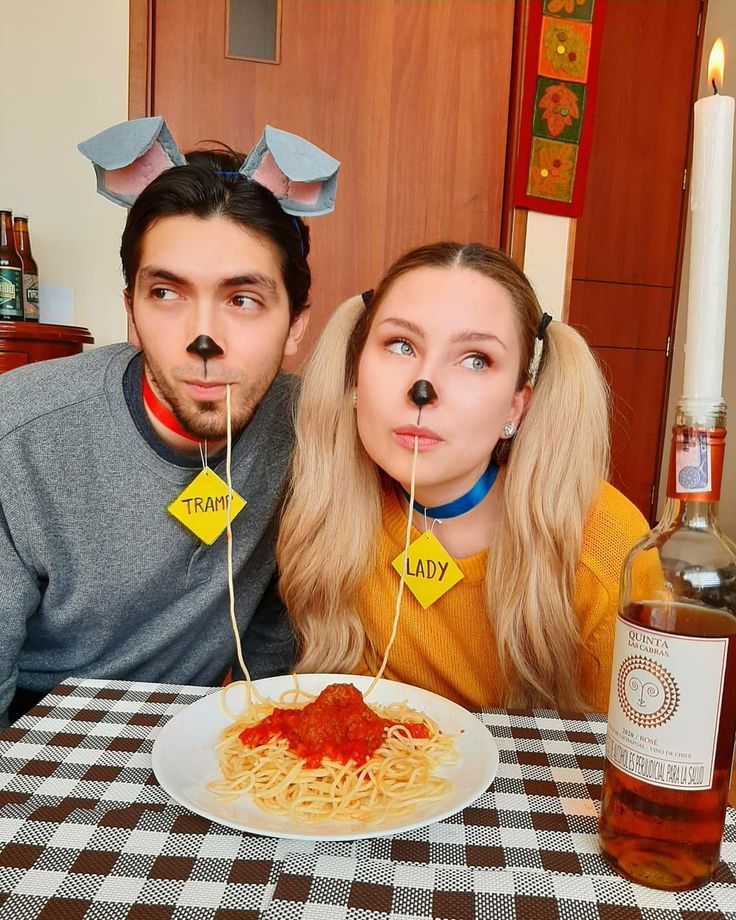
pixel 710 204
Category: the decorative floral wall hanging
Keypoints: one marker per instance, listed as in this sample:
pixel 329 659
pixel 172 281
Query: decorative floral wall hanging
pixel 560 81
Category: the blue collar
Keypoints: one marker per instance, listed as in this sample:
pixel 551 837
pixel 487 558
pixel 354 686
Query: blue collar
pixel 466 502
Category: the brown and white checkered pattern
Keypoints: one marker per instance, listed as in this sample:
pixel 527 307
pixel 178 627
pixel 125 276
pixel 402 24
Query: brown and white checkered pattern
pixel 86 833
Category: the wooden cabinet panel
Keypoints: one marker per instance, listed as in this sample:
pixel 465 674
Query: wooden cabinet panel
pixel 637 380
pixel 25 343
pixel 633 199
pixel 410 95
pixel 12 359
pixel 621 315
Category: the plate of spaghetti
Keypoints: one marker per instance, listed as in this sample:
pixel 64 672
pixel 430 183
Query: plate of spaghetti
pixel 308 757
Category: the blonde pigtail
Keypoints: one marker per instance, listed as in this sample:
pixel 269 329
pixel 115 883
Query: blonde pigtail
pixel 558 459
pixel 332 517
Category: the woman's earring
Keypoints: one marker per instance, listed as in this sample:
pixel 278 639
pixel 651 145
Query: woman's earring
pixel 509 430
pixel 355 399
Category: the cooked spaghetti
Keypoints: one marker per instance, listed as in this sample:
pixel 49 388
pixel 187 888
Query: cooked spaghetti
pixel 332 757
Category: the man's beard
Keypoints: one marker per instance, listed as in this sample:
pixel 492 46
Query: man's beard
pixel 208 420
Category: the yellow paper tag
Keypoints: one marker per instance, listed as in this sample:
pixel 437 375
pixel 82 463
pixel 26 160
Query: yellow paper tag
pixel 202 506
pixel 430 570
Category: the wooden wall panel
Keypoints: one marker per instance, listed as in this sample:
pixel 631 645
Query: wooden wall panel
pixel 643 111
pixel 637 380
pixel 621 315
pixel 629 240
pixel 411 96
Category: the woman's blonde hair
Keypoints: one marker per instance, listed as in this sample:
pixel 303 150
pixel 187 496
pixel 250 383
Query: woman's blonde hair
pixel 554 467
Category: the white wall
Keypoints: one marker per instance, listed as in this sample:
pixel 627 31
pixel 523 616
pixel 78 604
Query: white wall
pixel 545 260
pixel 720 21
pixel 74 54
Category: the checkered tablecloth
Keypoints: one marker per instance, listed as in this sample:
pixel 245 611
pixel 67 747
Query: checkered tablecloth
pixel 86 833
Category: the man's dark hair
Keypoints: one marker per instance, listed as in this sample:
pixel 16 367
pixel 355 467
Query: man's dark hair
pixel 209 185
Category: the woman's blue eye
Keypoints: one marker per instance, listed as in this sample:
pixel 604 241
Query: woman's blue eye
pixel 400 347
pixel 475 362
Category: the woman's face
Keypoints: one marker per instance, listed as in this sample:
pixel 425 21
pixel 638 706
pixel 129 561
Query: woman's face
pixel 455 328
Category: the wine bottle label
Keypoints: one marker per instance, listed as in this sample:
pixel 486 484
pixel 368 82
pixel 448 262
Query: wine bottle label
pixel 11 292
pixel 692 464
pixel 665 705
pixel 30 292
pixel 696 464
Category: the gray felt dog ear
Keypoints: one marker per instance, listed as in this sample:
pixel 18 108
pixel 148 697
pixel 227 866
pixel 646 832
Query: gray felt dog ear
pixel 300 175
pixel 128 156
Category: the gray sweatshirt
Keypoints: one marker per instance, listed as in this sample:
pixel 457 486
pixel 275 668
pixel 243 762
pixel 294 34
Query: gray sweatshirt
pixel 97 579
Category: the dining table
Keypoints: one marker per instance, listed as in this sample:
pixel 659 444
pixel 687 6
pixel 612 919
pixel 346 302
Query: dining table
pixel 87 832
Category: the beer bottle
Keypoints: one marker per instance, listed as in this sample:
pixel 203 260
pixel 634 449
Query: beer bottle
pixel 11 272
pixel 30 269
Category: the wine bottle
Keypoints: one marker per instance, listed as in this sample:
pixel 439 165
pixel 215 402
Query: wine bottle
pixel 672 709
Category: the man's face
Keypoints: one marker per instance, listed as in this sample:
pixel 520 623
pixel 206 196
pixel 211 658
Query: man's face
pixel 210 277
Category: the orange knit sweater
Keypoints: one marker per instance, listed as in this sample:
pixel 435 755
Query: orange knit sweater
pixel 450 648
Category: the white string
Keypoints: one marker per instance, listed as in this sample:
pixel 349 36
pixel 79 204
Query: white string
pixel 435 522
pixel 203 455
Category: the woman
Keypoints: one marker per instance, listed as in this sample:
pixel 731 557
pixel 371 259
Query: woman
pixel 540 548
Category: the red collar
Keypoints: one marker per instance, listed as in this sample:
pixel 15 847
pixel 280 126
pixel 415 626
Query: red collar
pixel 164 415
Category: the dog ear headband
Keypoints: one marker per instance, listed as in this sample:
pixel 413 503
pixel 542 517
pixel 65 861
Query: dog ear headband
pixel 128 156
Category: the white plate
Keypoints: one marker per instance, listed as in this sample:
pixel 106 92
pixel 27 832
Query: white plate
pixel 184 761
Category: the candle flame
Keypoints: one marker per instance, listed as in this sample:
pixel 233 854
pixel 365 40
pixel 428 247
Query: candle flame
pixel 716 64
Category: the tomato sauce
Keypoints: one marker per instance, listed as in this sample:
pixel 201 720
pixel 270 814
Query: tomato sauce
pixel 337 725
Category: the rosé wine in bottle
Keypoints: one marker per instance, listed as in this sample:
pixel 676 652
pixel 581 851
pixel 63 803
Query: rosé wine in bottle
pixel 672 709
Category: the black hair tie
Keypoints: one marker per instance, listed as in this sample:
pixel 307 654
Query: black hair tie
pixel 367 298
pixel 542 326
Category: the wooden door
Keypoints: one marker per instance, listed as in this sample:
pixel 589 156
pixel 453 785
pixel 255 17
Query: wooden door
pixel 629 240
pixel 411 96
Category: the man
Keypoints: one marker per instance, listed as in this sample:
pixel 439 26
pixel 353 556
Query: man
pixel 98 578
